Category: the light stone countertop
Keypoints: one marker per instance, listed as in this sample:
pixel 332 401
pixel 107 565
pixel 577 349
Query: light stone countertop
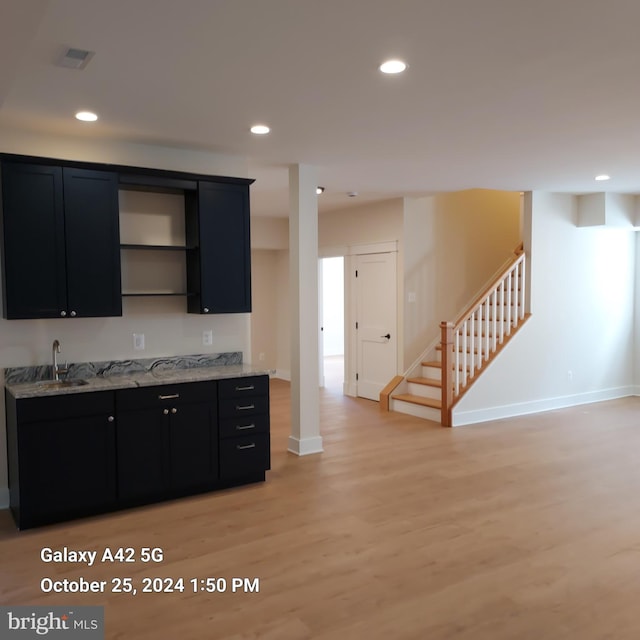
pixel 134 380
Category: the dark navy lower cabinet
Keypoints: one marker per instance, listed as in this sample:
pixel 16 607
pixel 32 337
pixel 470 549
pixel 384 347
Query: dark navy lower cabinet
pixel 62 459
pixel 85 453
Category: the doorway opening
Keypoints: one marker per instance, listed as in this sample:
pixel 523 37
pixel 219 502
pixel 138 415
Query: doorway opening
pixel 332 323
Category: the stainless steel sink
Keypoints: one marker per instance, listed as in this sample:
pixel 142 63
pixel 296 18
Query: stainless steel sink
pixel 61 384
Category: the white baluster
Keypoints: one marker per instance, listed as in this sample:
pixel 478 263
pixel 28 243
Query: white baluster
pixel 472 345
pixel 465 326
pixel 456 364
pixel 494 319
pixel 487 329
pixel 523 281
pixel 501 310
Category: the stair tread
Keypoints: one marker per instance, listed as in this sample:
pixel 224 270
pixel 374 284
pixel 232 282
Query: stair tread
pixel 425 402
pixel 432 363
pixel 428 382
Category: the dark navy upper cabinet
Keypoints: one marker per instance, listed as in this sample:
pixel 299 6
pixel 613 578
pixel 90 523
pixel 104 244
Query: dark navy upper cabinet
pixel 61 242
pixel 219 258
pixel 34 282
pixel 92 243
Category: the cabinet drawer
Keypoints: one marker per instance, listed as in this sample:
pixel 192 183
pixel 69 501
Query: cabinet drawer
pixel 244 456
pixel 248 386
pixel 164 395
pixel 237 407
pixel 72 405
pixel 247 426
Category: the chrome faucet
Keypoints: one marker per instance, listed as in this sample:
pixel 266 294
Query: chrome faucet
pixel 56 369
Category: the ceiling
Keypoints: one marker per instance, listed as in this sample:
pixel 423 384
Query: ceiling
pixel 501 94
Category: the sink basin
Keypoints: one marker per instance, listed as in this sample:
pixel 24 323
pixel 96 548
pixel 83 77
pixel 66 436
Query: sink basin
pixel 61 384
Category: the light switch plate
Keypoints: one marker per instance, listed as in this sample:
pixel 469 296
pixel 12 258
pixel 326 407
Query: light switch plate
pixel 138 341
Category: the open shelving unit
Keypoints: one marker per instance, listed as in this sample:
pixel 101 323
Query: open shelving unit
pixel 153 249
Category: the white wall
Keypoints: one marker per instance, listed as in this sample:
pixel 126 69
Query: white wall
pixel 453 244
pixel 283 364
pixel 365 224
pixel 582 304
pixel 264 314
pixel 269 277
pixel 168 329
pixel 269 233
pixel 636 322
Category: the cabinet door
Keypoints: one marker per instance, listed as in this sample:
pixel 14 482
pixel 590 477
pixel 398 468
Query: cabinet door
pixel 66 466
pixel 34 283
pixel 193 445
pixel 92 243
pixel 142 445
pixel 224 248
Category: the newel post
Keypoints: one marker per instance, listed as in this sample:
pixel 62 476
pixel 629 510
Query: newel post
pixel 446 329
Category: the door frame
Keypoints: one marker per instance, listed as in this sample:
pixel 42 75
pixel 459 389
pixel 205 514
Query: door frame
pixel 349 253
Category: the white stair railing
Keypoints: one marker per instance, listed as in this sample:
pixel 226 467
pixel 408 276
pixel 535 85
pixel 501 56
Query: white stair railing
pixel 474 339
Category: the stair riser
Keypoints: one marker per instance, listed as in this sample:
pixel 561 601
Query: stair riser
pixel 425 391
pixel 432 372
pixel 416 410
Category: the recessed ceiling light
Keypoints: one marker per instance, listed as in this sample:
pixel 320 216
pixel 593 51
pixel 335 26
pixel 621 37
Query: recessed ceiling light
pixel 603 176
pixel 260 129
pixel 393 66
pixel 319 190
pixel 86 116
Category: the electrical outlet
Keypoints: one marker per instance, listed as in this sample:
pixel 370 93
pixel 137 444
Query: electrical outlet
pixel 261 357
pixel 138 341
pixel 207 338
pixel 411 297
pixel 569 375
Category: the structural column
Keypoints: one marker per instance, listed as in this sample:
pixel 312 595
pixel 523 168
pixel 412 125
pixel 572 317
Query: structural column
pixel 303 277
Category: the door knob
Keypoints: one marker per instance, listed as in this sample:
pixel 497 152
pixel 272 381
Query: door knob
pixel 388 336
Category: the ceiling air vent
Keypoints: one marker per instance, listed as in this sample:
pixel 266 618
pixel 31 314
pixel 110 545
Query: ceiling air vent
pixel 75 58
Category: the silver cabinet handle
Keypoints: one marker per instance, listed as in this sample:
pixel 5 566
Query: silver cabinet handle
pixel 174 410
pixel 249 406
pixel 242 427
pixel 110 419
pixel 248 388
pixel 170 397
pixel 63 313
pixel 73 314
pixel 246 446
pixel 166 412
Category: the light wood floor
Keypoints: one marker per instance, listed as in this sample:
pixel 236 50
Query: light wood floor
pixel 524 529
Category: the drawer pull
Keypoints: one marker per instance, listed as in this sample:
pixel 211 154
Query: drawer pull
pixel 248 406
pixel 242 427
pixel 246 446
pixel 247 388
pixel 171 397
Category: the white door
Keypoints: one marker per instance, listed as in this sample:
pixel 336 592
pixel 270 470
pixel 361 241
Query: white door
pixel 376 336
pixel 320 323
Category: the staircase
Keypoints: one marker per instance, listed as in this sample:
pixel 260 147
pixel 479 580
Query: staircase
pixel 448 368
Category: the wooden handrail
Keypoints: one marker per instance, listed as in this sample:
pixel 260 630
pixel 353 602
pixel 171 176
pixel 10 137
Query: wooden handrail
pixel 476 337
pixel 488 289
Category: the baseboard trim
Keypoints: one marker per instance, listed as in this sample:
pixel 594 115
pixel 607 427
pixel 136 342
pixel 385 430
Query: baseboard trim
pixel 283 374
pixel 306 446
pixel 4 498
pixel 461 418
